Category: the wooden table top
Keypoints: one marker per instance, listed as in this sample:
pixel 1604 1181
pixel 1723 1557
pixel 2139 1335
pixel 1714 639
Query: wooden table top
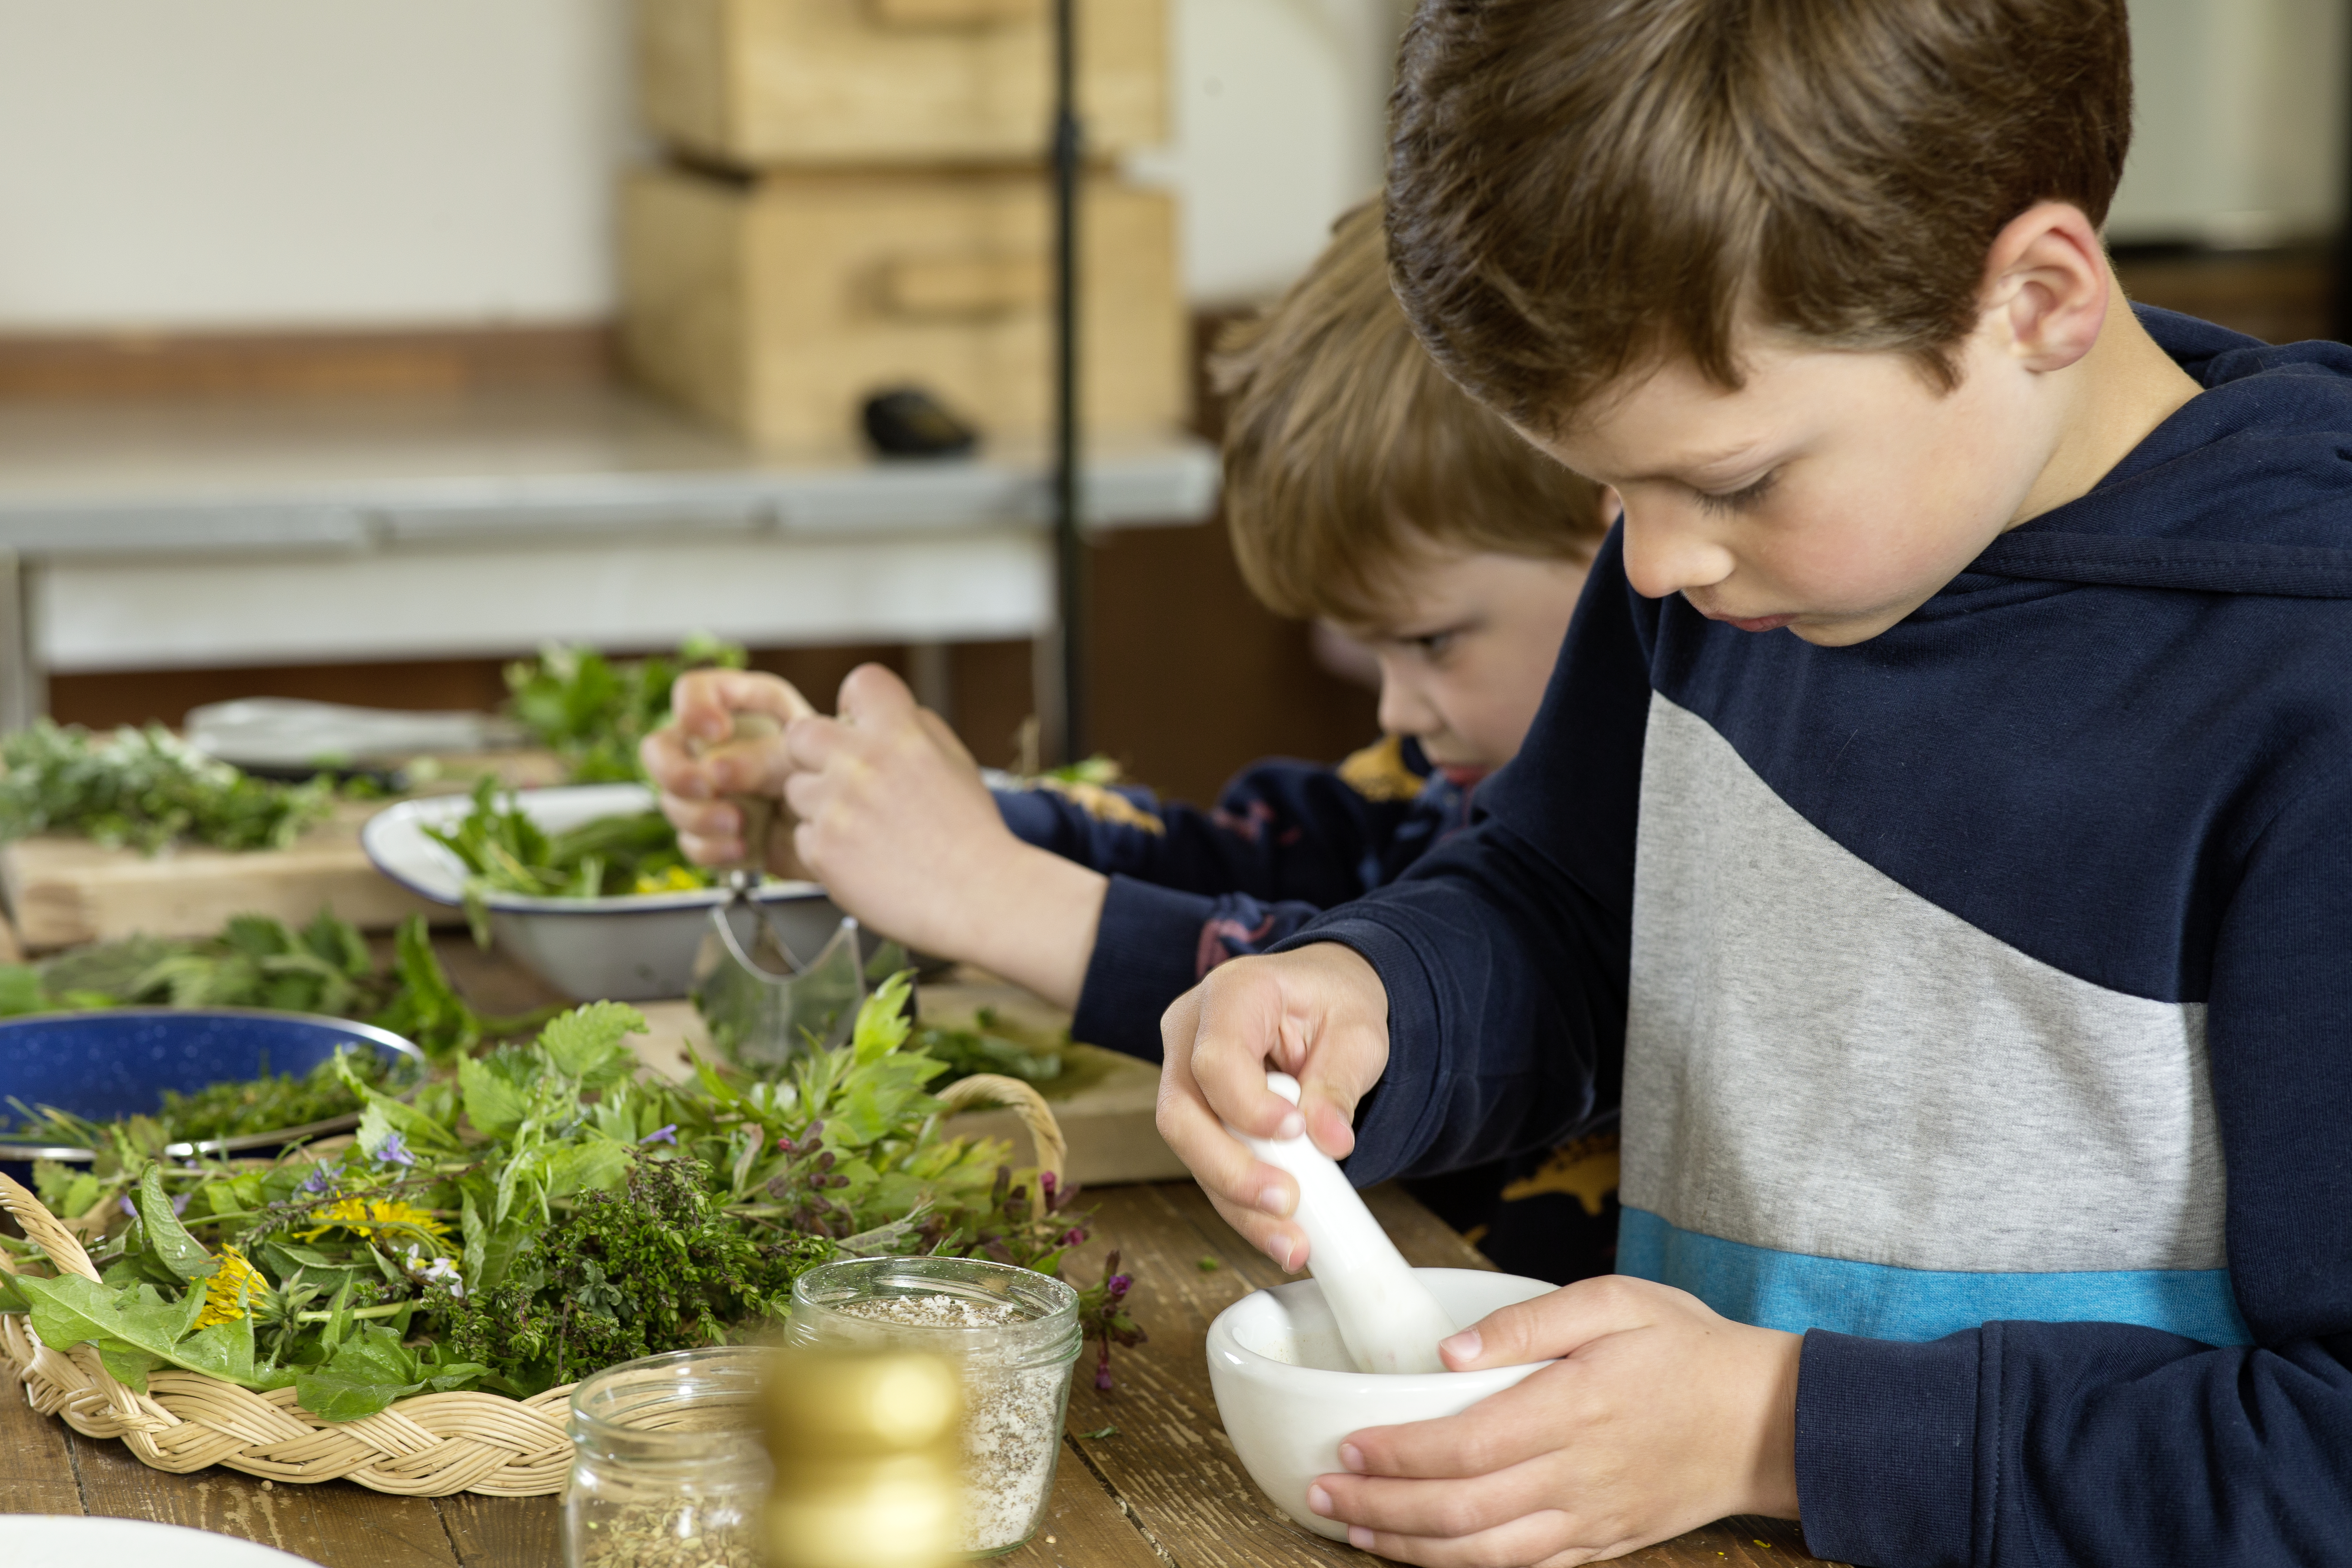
pixel 1163 1491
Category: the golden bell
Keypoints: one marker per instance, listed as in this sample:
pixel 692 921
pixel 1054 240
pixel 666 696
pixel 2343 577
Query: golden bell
pixel 867 1469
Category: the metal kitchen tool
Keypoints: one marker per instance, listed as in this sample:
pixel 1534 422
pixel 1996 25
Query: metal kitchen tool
pixel 761 1003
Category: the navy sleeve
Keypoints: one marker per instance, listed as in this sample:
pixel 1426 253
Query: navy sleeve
pixel 1505 950
pixel 1156 943
pixel 2102 1444
pixel 1283 831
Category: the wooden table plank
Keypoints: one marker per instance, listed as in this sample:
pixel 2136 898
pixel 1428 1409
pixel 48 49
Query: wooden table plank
pixel 504 1531
pixel 333 1523
pixel 36 1468
pixel 1085 1526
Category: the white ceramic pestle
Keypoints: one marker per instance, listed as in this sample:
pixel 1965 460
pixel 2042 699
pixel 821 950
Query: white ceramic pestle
pixel 1388 1318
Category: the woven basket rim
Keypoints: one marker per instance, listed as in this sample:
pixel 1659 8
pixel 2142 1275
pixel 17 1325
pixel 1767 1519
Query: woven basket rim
pixel 429 1445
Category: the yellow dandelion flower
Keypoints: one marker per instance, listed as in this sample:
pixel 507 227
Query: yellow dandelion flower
pixel 364 1217
pixel 675 880
pixel 232 1287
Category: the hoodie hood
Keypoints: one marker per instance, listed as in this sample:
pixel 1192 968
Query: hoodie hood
pixel 2246 488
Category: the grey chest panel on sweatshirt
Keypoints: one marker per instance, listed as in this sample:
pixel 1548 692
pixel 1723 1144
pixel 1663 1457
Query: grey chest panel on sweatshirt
pixel 1820 1061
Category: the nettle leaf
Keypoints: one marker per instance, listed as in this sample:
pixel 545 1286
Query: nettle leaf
pixel 882 1022
pixel 497 1098
pixel 598 1164
pixel 167 1239
pixel 590 1043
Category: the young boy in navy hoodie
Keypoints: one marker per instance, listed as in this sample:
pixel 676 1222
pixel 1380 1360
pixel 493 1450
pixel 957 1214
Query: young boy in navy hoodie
pixel 1938 836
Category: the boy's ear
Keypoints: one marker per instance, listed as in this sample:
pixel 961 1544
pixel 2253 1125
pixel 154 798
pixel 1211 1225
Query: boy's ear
pixel 2047 285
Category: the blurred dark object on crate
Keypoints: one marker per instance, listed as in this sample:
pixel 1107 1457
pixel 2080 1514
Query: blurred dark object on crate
pixel 909 421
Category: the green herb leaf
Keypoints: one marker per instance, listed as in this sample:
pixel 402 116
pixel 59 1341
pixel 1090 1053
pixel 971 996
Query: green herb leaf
pixel 1099 1433
pixel 167 1238
pixel 134 1326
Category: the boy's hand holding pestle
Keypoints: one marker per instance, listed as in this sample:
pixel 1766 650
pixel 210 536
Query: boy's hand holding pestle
pixel 1660 1415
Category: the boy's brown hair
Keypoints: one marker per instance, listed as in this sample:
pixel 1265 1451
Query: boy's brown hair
pixel 1575 188
pixel 1349 455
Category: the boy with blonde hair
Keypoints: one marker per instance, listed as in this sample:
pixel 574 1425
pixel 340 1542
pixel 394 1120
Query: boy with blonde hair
pixel 1937 825
pixel 1361 486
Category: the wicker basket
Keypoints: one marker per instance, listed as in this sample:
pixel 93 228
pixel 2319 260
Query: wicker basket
pixel 431 1445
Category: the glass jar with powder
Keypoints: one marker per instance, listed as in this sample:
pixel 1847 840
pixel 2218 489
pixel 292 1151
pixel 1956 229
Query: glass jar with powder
pixel 1013 1334
pixel 669 1470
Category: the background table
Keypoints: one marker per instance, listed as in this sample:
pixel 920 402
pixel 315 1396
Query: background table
pixel 1163 1491
pixel 159 536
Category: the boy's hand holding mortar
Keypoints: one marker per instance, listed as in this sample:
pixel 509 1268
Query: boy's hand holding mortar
pixel 1660 1416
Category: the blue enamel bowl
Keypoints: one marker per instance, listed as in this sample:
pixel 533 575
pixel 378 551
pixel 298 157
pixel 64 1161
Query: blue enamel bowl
pixel 118 1061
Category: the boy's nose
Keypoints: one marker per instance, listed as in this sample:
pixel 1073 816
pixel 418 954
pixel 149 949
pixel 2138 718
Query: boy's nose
pixel 1405 710
pixel 1665 555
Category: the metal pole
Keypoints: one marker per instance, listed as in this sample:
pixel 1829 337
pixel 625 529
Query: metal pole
pixel 1069 543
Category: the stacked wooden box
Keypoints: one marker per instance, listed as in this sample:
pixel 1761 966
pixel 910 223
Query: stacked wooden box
pixel 857 199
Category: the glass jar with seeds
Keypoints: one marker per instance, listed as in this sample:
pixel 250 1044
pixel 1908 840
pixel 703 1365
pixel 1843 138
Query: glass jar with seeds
pixel 1011 1332
pixel 669 1470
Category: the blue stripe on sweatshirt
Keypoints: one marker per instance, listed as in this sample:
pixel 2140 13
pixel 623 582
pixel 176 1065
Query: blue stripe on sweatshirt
pixel 1794 1292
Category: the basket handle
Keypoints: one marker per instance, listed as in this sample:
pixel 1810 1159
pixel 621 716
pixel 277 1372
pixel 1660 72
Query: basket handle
pixel 995 1089
pixel 41 1227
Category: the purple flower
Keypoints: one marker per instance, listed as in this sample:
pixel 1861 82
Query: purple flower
pixel 316 1181
pixel 394 1152
pixel 1102 1374
pixel 662 1135
pixel 180 1203
pixel 125 1201
pixel 1046 1183
pixel 1118 1284
pixel 1071 1237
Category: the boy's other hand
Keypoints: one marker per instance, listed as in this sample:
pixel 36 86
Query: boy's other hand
pixel 1319 1014
pixel 1657 1418
pixel 696 761
pixel 896 822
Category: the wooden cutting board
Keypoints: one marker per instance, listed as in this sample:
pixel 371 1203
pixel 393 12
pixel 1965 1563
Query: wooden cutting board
pixel 63 890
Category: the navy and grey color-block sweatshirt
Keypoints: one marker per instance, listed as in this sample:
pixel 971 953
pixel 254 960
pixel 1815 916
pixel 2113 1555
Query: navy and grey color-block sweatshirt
pixel 1979 997
pixel 1189 889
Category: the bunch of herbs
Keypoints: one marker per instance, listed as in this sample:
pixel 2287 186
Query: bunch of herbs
pixel 146 788
pixel 504 851
pixel 540 1213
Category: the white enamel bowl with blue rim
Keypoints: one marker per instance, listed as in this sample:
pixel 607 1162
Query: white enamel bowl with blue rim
pixel 1286 1415
pixel 633 947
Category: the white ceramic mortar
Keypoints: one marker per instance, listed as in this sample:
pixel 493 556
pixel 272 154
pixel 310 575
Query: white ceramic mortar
pixel 1285 1419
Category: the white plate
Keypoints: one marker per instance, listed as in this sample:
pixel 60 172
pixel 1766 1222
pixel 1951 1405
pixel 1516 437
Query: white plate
pixel 69 1540
pixel 633 947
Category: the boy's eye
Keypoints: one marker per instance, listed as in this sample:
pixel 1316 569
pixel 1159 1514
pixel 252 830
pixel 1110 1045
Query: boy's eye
pixel 1745 499
pixel 1435 644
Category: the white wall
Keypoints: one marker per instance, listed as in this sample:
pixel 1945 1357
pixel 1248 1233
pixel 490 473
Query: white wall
pixel 2240 128
pixel 193 164
pixel 1281 111
pixel 264 163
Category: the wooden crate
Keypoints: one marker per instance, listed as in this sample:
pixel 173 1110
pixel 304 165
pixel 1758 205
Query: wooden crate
pixel 777 305
pixel 755 83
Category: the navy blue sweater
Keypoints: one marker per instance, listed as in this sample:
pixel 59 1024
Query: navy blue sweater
pixel 1191 888
pixel 1979 998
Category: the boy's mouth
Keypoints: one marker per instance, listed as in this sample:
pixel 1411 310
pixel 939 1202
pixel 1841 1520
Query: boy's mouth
pixel 1755 624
